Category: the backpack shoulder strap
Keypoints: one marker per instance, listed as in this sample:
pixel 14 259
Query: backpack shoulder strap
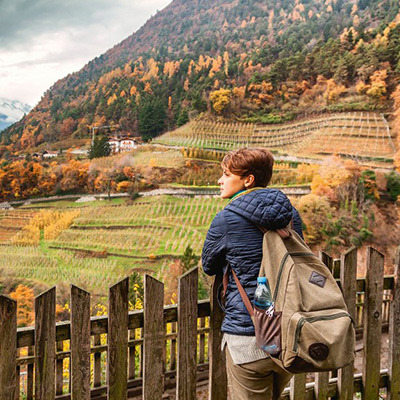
pixel 242 292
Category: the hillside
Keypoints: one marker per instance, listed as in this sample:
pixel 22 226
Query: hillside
pixel 250 60
pixel 365 136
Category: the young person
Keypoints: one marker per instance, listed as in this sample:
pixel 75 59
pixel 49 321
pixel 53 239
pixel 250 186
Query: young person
pixel 234 238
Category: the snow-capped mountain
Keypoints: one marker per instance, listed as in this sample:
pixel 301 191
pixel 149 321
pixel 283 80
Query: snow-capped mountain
pixel 11 111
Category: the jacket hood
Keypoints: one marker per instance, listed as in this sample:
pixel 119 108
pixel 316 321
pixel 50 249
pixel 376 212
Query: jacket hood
pixel 269 208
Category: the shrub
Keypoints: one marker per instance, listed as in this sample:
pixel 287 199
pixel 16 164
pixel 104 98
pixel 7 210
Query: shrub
pixel 393 185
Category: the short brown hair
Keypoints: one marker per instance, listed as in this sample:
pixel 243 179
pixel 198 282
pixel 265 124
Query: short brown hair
pixel 256 161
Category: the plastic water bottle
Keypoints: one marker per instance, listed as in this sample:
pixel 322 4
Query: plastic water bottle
pixel 262 296
pixel 263 300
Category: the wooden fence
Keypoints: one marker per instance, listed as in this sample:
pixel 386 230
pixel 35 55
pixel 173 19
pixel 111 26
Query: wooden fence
pixel 144 353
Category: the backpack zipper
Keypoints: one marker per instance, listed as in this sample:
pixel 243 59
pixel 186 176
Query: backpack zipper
pixel 303 320
pixel 285 257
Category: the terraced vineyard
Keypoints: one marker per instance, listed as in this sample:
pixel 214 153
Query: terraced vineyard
pixel 12 222
pixel 355 134
pixel 106 243
pixel 145 229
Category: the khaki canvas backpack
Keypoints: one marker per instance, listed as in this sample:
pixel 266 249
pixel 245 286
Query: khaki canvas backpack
pixel 309 328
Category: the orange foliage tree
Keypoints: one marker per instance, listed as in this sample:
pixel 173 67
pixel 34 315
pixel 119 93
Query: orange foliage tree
pixel 25 304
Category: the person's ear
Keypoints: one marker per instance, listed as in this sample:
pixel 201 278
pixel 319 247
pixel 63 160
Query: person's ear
pixel 249 181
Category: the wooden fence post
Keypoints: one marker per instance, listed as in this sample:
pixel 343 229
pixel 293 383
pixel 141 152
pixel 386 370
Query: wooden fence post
pixel 80 344
pixel 217 362
pixel 187 336
pixel 117 338
pixel 154 339
pixel 372 324
pixel 348 280
pixel 298 387
pixel 29 376
pixel 394 336
pixel 8 349
pixel 322 378
pixel 45 338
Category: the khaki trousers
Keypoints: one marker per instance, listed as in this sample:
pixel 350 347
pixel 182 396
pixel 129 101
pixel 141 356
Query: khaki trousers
pixel 258 380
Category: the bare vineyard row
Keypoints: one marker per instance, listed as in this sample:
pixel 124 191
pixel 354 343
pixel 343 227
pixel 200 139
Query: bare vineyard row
pixel 356 134
pixel 153 229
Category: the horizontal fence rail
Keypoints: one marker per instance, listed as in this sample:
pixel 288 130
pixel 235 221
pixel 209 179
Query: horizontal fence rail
pixel 162 350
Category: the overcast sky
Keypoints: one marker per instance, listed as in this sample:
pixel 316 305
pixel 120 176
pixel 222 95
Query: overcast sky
pixel 42 41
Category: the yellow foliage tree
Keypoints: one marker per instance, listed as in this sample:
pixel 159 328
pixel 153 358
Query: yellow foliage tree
pixel 333 91
pixel 220 100
pixel 216 66
pixel 378 85
pixel 226 62
pixel 133 91
pixel 362 87
pixel 111 99
pixel 313 210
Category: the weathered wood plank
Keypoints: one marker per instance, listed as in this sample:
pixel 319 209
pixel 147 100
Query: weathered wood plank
pixel 336 268
pixel 218 379
pixel 321 387
pixel 59 369
pixel 154 341
pixel 132 357
pixel 326 259
pixel 322 378
pixel 117 360
pixel 97 363
pixel 45 349
pixel 394 336
pixel 29 376
pixel 80 344
pixel 202 342
pixel 298 387
pixel 348 278
pixel 8 349
pixel 187 336
pixel 173 347
pixel 372 324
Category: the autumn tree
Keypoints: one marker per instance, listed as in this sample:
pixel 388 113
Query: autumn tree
pixel 106 181
pixel 25 297
pixel 378 87
pixel 220 100
pixel 333 91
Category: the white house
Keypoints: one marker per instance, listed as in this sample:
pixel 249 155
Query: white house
pixel 114 145
pixel 49 154
pixel 119 145
pixel 127 144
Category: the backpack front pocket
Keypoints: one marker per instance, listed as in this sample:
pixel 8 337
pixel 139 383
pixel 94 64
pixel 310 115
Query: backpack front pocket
pixel 319 342
pixel 268 331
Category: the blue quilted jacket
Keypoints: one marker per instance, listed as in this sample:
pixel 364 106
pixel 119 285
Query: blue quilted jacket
pixel 234 239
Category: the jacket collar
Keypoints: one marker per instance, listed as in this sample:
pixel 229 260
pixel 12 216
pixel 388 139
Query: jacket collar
pixel 243 192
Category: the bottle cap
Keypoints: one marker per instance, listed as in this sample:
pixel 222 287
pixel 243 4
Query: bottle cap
pixel 262 279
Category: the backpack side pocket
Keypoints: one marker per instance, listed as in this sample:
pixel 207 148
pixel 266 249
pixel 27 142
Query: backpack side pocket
pixel 268 331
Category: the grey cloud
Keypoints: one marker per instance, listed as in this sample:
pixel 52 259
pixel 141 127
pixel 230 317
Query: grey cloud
pixel 20 20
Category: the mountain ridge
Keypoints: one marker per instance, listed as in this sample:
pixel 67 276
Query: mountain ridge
pixel 11 111
pixel 267 56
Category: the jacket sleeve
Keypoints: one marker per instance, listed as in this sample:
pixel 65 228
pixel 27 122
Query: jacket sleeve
pixel 214 249
pixel 297 223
